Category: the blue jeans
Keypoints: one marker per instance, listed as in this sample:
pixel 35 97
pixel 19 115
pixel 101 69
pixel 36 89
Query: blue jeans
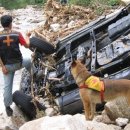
pixel 8 79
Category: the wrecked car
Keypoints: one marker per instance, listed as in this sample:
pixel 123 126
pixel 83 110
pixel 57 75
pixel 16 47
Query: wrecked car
pixel 103 44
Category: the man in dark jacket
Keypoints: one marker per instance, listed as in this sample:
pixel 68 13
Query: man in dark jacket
pixel 11 57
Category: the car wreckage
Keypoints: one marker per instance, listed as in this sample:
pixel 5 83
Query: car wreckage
pixel 103 44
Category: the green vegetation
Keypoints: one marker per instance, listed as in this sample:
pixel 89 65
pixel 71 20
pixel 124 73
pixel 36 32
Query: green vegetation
pixel 99 6
pixel 96 4
pixel 114 2
pixel 91 2
pixel 80 2
pixel 15 4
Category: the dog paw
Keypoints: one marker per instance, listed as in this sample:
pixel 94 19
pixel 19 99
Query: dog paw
pixel 90 117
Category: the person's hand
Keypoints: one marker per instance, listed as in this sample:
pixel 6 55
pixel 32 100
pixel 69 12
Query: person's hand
pixel 4 70
pixel 28 33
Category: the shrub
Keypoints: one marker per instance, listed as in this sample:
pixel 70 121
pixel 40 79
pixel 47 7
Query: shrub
pixel 80 2
pixel 91 2
pixel 114 2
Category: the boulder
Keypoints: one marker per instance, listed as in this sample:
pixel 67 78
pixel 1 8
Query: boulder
pixel 126 2
pixel 122 121
pixel 65 122
pixel 118 108
pixel 115 127
pixel 103 118
pixel 127 127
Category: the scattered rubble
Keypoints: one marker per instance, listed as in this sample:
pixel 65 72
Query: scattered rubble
pixel 67 122
pixel 62 20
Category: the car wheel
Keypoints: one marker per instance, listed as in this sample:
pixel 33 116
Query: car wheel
pixel 23 101
pixel 41 45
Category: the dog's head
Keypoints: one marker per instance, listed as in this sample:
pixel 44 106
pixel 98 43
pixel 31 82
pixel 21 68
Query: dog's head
pixel 79 71
pixel 76 66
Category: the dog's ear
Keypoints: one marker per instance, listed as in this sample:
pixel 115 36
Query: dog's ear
pixel 73 64
pixel 82 61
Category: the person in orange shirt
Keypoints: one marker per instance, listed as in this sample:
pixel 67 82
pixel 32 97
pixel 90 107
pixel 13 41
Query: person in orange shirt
pixel 11 57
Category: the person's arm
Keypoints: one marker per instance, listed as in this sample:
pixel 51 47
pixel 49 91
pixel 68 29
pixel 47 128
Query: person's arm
pixel 27 38
pixel 4 70
pixel 25 42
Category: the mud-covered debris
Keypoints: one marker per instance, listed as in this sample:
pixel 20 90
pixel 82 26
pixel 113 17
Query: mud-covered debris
pixel 64 15
pixel 68 17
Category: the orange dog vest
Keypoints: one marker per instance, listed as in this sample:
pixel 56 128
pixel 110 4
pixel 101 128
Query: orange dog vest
pixel 94 83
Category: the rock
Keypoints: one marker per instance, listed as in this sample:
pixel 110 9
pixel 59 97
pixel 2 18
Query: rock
pixel 46 103
pixel 71 24
pixel 2 127
pixel 103 118
pixel 65 122
pixel 7 128
pixel 126 2
pixel 127 127
pixel 121 121
pixel 41 24
pixel 2 10
pixel 55 27
pixel 49 112
pixel 118 108
pixel 55 19
pixel 115 127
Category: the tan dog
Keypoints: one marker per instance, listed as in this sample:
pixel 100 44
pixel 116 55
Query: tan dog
pixel 89 97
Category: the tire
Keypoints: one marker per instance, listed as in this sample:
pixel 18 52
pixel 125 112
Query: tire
pixel 41 45
pixel 24 102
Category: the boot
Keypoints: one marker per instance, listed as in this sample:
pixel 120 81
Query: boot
pixel 9 111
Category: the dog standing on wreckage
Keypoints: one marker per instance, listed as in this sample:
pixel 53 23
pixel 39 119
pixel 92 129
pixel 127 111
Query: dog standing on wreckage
pixel 93 90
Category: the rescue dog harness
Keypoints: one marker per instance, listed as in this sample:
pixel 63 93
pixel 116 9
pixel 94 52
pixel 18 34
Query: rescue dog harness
pixel 96 84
